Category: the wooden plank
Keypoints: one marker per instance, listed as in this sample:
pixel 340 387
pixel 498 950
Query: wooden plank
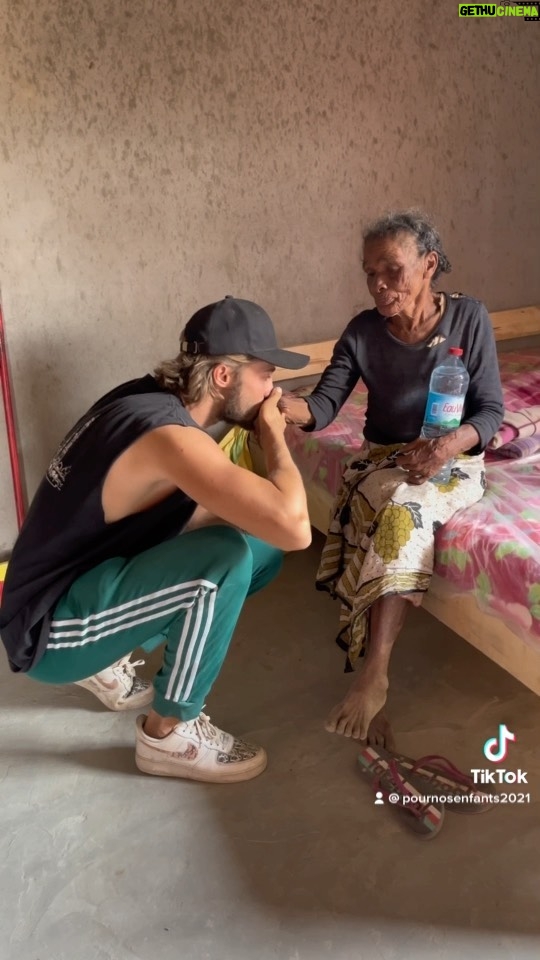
pixel 523 322
pixel 507 325
pixel 487 633
pixel 320 503
pixel 320 354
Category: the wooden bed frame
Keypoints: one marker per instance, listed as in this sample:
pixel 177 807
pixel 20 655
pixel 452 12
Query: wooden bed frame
pixel 463 616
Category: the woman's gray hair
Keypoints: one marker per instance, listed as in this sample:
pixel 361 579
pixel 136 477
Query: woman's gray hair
pixel 417 225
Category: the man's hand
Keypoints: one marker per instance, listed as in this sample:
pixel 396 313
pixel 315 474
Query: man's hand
pixel 296 411
pixel 423 458
pixel 270 418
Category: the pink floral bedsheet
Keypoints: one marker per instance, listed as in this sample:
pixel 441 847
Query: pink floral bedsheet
pixel 493 547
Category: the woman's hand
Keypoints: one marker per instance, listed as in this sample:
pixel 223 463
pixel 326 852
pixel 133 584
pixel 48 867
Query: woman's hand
pixel 296 410
pixel 423 458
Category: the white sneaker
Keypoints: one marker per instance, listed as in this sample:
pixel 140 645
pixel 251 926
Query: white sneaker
pixel 197 750
pixel 119 687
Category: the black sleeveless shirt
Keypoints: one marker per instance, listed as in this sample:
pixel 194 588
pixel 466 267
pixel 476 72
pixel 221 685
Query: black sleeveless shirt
pixel 65 533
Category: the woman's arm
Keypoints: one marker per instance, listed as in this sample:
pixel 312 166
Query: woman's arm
pixel 333 389
pixel 484 404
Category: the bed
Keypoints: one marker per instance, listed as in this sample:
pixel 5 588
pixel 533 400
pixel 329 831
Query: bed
pixel 486 585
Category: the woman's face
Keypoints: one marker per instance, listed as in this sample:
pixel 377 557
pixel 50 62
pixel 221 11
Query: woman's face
pixel 398 277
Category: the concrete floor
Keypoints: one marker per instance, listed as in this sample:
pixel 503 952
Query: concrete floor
pixel 99 862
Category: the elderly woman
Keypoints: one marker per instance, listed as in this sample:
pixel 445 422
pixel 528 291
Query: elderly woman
pixel 380 547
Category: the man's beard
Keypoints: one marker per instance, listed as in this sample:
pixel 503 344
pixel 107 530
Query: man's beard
pixel 235 414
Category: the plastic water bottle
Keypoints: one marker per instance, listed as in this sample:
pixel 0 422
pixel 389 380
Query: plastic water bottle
pixel 444 408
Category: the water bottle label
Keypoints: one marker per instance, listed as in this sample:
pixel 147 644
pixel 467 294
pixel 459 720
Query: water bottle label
pixel 444 409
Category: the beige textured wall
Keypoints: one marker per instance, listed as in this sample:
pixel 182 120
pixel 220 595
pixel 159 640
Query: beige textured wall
pixel 157 155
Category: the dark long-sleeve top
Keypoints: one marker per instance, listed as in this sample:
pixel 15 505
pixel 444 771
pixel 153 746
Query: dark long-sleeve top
pixel 397 374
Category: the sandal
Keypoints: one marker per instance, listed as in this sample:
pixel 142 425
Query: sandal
pixel 436 774
pixel 424 819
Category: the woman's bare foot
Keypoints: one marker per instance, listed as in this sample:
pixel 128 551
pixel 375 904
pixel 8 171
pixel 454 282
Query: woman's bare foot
pixel 380 732
pixel 365 700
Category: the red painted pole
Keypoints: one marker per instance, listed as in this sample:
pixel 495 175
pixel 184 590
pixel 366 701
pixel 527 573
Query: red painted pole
pixel 10 426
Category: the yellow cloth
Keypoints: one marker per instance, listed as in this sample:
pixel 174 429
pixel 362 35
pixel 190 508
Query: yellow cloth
pixel 235 445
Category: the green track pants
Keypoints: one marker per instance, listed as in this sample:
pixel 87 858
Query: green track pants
pixel 186 593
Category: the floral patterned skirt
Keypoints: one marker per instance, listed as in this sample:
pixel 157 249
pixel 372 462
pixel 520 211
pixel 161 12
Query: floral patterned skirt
pixel 381 535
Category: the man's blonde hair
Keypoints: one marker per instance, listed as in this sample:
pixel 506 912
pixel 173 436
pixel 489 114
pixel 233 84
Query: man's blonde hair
pixel 190 376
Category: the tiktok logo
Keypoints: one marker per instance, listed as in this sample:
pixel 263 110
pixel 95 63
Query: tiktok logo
pixel 496 748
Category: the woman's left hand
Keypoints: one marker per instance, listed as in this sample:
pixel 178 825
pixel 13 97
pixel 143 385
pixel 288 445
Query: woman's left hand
pixel 423 458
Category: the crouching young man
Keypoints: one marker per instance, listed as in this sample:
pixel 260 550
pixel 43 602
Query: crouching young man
pixel 144 533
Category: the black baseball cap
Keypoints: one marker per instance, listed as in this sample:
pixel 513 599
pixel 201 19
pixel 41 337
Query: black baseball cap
pixel 237 326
